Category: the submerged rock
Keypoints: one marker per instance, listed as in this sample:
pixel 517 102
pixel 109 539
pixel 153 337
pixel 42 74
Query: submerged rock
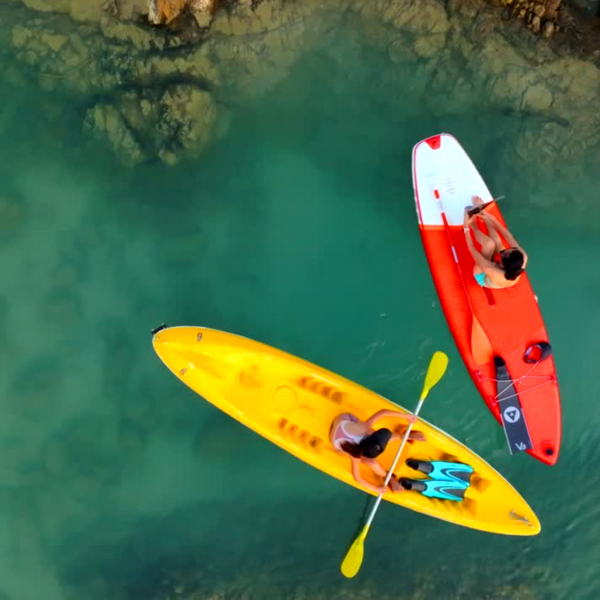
pixel 13 213
pixel 187 118
pixel 155 88
pixel 165 11
pixel 181 121
pixel 106 121
pixel 541 16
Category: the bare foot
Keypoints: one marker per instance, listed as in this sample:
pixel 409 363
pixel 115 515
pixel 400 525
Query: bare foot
pixel 395 486
pixel 415 436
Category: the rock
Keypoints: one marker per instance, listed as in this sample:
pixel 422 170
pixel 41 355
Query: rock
pixel 20 36
pixel 428 46
pixel 536 24
pixel 548 29
pixel 47 5
pixel 202 11
pixel 54 42
pixel 166 11
pixel 170 125
pixel 168 157
pixel 399 52
pixel 425 16
pixel 104 120
pixel 242 20
pixel 154 16
pixel 90 10
pixel 197 66
pixel 537 97
pixel 131 33
pixel 539 10
pixel 12 213
pixel 188 117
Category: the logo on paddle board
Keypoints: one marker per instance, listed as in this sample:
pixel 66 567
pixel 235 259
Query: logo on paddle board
pixel 511 414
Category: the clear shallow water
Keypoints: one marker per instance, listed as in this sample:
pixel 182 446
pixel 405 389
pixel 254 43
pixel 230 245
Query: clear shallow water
pixel 299 230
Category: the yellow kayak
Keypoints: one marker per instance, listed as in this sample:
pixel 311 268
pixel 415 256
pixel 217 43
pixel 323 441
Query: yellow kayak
pixel 293 403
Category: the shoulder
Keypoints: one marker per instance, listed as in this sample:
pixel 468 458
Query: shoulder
pixel 491 270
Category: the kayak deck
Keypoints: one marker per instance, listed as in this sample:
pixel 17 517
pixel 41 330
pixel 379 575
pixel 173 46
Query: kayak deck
pixel 293 403
pixel 510 317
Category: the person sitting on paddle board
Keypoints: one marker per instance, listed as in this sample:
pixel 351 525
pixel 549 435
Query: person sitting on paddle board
pixel 363 444
pixel 495 265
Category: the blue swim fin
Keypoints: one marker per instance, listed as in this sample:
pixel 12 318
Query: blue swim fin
pixel 444 489
pixel 443 471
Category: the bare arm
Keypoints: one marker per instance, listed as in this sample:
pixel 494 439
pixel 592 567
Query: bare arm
pixel 492 221
pixel 374 466
pixel 389 413
pixel 505 233
pixel 360 480
pixel 481 260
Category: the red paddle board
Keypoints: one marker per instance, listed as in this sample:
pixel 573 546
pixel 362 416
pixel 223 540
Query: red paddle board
pixel 485 323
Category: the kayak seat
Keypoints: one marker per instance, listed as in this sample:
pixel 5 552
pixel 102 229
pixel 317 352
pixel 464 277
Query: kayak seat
pixel 295 433
pixel 479 483
pixel 323 388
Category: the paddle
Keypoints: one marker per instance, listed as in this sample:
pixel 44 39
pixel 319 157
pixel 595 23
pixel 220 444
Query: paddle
pixel 354 557
pixel 478 209
pixel 481 348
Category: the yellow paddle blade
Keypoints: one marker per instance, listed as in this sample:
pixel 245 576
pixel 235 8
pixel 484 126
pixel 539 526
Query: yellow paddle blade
pixel 481 346
pixel 354 557
pixel 436 370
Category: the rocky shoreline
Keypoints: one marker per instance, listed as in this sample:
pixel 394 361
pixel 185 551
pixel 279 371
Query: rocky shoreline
pixel 154 79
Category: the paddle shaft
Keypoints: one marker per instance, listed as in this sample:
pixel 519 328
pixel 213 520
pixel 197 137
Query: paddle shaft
pixel 354 557
pixel 391 471
pixel 483 206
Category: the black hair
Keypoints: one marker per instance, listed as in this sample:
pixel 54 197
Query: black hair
pixel 512 260
pixel 374 445
pixel 371 446
pixel 351 449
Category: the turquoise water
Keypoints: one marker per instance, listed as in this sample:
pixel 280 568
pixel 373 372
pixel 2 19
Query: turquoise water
pixel 297 229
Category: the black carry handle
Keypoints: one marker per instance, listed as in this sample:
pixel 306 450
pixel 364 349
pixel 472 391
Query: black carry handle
pixel 537 352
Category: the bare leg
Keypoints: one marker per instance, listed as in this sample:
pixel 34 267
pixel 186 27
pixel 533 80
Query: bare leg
pixel 379 470
pixel 493 234
pixel 414 436
pixel 396 487
pixel 487 243
pixel 374 466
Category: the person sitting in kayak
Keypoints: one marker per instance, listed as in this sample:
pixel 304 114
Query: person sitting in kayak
pixel 363 444
pixel 495 265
